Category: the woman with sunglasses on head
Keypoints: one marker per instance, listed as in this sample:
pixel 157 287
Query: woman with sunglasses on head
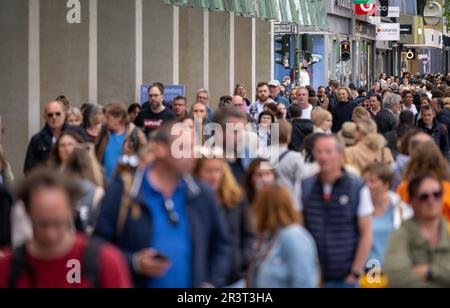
pixel 418 254
pixel 427 157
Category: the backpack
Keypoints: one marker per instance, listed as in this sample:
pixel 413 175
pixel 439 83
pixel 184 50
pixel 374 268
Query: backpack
pixel 89 267
pixel 127 204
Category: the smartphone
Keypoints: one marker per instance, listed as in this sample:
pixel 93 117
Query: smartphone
pixel 159 256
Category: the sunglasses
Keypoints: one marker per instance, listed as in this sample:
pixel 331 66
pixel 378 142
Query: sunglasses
pixel 53 114
pixel 425 197
pixel 169 206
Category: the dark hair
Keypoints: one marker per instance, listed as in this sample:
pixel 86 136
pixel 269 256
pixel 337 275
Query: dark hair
pixel 266 113
pixel 406 92
pixel 352 87
pixel 250 189
pixel 164 133
pixel 439 102
pixel 404 136
pixel 55 160
pixel 429 86
pixel 180 98
pixel 378 97
pixel 134 107
pixel 414 185
pixel 158 85
pixel 225 101
pixel 437 94
pixel 308 146
pixel 47 178
pixel 262 84
pixel 427 108
pixel 273 107
pixel 361 91
pixel 295 111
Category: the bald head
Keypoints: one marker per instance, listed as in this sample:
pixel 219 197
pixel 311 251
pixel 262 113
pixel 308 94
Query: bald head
pixel 54 115
pixel 238 103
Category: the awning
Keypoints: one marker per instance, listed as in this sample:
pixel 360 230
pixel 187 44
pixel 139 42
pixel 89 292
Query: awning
pixel 308 13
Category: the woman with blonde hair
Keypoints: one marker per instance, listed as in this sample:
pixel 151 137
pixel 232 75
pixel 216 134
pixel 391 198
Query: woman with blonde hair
pixel 370 146
pixel 360 113
pixel 286 256
pixel 74 117
pixel 323 121
pixel 216 173
pixel 427 157
pixel 83 166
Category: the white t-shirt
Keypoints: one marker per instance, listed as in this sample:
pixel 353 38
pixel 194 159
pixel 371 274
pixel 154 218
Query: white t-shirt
pixel 365 207
pixel 306 113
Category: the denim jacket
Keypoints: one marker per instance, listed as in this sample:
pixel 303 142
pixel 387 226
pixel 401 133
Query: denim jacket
pixel 292 261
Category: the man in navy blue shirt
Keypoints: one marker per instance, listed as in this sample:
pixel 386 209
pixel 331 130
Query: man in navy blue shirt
pixel 174 236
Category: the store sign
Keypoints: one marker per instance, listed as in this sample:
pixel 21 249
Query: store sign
pixel 283 28
pixel 388 32
pixel 394 12
pixel 405 29
pixel 346 4
pixel 424 58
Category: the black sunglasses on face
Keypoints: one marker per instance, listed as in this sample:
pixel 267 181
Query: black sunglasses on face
pixel 53 114
pixel 425 197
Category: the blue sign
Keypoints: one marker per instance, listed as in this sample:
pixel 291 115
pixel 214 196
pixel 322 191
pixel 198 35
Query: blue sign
pixel 170 92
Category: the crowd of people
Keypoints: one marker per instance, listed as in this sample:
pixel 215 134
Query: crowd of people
pixel 357 195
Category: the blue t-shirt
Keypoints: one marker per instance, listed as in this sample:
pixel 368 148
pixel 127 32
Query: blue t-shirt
pixel 173 241
pixel 382 227
pixel 113 151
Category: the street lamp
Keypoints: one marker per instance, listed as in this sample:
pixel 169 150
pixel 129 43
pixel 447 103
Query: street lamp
pixel 432 13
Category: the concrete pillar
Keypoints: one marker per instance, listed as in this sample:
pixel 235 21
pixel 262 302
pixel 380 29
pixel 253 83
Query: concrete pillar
pixel 263 51
pixel 116 51
pixel 157 42
pixel 243 54
pixel 64 53
pixel 219 56
pixel 191 51
pixel 14 81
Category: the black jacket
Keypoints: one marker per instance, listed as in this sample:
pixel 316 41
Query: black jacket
pixel 342 112
pixel 6 202
pixel 443 117
pixel 333 100
pixel 40 146
pixel 385 121
pixel 439 134
pixel 300 130
pixel 241 239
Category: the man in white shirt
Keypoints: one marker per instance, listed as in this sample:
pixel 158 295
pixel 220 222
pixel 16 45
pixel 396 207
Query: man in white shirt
pixel 303 101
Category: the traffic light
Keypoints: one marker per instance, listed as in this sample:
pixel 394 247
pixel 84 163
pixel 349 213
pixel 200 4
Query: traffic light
pixel 284 49
pixel 345 51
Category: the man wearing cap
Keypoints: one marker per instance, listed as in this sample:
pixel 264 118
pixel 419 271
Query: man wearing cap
pixel 275 94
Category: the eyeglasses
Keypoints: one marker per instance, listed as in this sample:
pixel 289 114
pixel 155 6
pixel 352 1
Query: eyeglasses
pixel 54 114
pixel 366 106
pixel 428 196
pixel 169 206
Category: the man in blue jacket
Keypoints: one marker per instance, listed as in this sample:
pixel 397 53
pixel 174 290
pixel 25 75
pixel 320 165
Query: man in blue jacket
pixel 173 235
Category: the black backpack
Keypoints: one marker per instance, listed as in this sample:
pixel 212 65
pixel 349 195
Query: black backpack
pixel 6 202
pixel 89 267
